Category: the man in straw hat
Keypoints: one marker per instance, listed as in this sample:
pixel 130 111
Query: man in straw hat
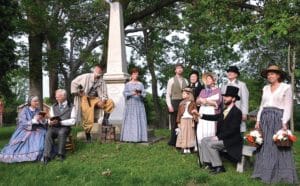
pixel 243 104
pixel 228 134
pixel 173 98
pixel 91 92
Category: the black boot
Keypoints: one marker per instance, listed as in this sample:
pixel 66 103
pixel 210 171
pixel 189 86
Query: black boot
pixel 88 137
pixel 105 119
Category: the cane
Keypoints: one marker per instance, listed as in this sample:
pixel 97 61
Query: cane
pixel 198 153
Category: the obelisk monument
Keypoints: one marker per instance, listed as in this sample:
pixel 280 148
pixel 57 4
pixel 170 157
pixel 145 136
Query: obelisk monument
pixel 116 74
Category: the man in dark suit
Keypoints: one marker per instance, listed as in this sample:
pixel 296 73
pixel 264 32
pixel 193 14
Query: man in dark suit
pixel 228 135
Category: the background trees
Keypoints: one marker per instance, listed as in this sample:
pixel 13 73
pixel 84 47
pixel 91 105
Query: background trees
pixel 66 37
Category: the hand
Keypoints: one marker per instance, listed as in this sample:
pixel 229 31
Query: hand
pixel 215 138
pixel 171 109
pixel 100 104
pixel 81 93
pixel 177 131
pixel 195 112
pixel 244 117
pixel 257 125
pixel 284 126
pixel 38 117
pixel 203 101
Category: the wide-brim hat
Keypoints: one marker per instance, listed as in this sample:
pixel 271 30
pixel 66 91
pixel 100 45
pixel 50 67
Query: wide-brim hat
pixel 187 89
pixel 206 74
pixel 233 69
pixel 109 106
pixel 273 68
pixel 232 91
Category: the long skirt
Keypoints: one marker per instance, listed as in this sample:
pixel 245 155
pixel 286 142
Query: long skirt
pixel 206 128
pixel 186 136
pixel 273 164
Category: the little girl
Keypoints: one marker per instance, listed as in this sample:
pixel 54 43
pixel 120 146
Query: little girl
pixel 187 114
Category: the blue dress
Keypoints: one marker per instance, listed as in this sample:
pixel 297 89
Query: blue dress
pixel 27 142
pixel 134 127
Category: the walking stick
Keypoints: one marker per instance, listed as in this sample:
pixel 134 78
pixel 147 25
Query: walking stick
pixel 198 153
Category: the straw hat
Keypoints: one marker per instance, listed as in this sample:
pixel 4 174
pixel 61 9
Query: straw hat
pixel 273 68
pixel 206 74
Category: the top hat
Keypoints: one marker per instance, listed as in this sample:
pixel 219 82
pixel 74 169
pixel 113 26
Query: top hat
pixel 233 69
pixel 232 91
pixel 273 68
pixel 206 74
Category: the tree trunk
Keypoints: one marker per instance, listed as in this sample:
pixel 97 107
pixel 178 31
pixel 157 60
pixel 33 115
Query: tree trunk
pixel 291 69
pixel 158 122
pixel 35 66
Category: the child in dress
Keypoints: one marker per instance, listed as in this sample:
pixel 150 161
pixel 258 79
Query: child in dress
pixel 186 117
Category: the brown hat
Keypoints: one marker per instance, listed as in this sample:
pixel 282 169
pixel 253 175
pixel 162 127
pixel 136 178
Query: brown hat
pixel 187 89
pixel 206 74
pixel 273 68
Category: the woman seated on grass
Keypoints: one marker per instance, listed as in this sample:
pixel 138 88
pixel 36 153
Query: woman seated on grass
pixel 27 142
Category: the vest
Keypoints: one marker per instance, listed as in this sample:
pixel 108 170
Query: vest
pixel 64 114
pixel 176 91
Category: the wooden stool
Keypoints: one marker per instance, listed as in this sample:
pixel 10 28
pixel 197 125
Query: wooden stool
pixel 108 133
pixel 70 145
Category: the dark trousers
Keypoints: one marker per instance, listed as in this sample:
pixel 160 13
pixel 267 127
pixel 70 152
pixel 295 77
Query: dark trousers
pixel 61 133
pixel 173 138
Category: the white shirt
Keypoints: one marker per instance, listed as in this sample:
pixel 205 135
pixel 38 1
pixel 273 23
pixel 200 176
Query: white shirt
pixel 169 88
pixel 66 122
pixel 281 98
pixel 186 113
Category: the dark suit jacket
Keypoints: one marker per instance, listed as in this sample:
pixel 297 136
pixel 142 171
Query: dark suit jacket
pixel 228 130
pixel 196 89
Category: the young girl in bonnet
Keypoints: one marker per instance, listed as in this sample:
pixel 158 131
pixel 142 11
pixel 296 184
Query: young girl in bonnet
pixel 187 114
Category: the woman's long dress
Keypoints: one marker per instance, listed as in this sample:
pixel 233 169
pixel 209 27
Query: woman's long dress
pixel 274 164
pixel 207 128
pixel 27 142
pixel 134 127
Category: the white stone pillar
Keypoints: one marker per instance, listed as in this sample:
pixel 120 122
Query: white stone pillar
pixel 116 74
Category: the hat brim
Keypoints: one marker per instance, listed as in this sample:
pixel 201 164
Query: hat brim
pixel 265 72
pixel 234 96
pixel 230 70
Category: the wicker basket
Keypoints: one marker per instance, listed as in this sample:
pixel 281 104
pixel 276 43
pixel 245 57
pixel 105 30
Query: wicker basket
pixel 285 143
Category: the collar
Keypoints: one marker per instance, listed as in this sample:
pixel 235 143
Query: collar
pixel 63 103
pixel 235 81
pixel 229 107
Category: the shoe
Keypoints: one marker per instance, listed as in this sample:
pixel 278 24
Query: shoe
pixel 218 170
pixel 88 137
pixel 61 157
pixel 46 160
pixel 207 166
pixel 188 151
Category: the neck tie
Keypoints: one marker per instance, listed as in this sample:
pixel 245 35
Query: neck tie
pixel 225 112
pixel 61 107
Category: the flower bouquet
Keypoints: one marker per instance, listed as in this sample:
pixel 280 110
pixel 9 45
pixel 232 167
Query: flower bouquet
pixel 255 138
pixel 284 138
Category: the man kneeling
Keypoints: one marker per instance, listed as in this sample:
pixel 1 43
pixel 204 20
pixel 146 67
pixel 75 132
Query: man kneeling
pixel 228 135
pixel 62 117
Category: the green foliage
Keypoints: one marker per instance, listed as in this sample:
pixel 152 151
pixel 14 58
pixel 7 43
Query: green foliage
pixel 122 164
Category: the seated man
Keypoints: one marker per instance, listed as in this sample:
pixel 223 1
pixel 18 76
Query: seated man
pixel 62 116
pixel 91 92
pixel 228 135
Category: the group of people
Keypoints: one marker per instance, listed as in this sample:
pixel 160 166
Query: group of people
pixel 211 120
pixel 36 131
pixel 204 118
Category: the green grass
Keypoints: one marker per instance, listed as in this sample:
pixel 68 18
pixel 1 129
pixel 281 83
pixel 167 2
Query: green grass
pixel 124 163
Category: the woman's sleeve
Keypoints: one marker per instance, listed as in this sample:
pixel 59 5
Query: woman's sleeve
pixel 24 121
pixel 287 104
pixel 261 106
pixel 127 93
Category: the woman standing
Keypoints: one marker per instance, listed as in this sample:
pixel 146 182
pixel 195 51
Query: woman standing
pixel 134 128
pixel 209 99
pixel 27 142
pixel 274 164
pixel 195 84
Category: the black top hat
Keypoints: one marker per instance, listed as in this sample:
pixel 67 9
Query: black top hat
pixel 232 91
pixel 233 69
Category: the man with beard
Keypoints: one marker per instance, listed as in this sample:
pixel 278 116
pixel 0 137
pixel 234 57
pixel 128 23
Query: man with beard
pixel 90 92
pixel 228 134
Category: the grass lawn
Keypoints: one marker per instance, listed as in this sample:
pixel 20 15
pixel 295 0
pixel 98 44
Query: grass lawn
pixel 122 164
